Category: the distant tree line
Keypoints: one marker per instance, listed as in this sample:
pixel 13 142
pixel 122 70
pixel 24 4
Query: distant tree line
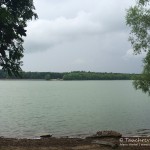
pixel 32 75
pixel 75 75
pixel 97 76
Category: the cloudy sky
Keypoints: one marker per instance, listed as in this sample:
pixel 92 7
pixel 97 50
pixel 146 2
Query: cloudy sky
pixel 75 35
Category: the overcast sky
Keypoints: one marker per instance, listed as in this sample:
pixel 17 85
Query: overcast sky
pixel 75 35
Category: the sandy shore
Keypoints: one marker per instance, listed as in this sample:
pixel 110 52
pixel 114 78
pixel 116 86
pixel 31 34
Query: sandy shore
pixel 52 143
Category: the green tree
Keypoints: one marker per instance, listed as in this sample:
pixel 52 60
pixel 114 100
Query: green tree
pixel 47 77
pixel 138 19
pixel 14 15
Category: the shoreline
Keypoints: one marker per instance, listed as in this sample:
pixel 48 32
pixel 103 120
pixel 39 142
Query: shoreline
pixel 48 142
pixel 143 132
pixel 102 140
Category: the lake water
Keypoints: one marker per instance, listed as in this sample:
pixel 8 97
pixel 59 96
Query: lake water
pixel 74 108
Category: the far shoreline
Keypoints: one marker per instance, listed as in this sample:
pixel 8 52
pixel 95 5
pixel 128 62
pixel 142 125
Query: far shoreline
pixel 58 80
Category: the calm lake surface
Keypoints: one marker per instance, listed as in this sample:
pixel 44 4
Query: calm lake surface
pixel 33 108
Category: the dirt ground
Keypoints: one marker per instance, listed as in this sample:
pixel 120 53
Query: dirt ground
pixel 63 144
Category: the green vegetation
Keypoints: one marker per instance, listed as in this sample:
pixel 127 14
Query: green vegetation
pixel 138 19
pixel 76 75
pixel 96 76
pixel 47 77
pixel 14 15
pixel 33 75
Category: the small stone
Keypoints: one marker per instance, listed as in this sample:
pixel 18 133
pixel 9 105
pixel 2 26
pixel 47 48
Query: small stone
pixel 108 134
pixel 101 134
pixel 46 136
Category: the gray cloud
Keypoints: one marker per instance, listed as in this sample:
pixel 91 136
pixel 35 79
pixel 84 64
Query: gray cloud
pixel 80 35
pixel 46 33
pixel 90 18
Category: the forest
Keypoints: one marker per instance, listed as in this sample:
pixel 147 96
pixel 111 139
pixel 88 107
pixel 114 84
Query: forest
pixel 75 75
